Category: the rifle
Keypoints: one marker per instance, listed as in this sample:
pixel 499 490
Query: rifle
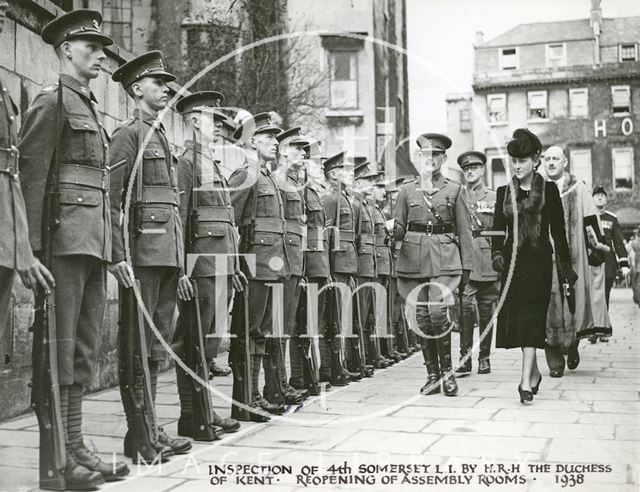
pixel 45 389
pixel 128 367
pixel 203 414
pixel 151 420
pixel 361 340
pixel 306 345
pixel 240 357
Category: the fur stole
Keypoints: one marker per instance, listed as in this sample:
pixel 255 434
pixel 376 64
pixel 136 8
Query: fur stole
pixel 529 210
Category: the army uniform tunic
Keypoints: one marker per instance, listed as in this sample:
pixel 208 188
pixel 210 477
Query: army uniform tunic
pixel 436 246
pixel 254 194
pixel 15 251
pixel 81 242
pixel 316 258
pixel 154 226
pixel 296 225
pixel 483 287
pixel 617 257
pixel 209 229
pixel 342 230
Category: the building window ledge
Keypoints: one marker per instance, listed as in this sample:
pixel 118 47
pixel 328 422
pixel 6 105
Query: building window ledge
pixel 498 123
pixel 539 120
pixel 344 113
pixel 621 115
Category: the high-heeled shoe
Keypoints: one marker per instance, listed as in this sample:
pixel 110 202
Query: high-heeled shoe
pixel 525 395
pixel 534 389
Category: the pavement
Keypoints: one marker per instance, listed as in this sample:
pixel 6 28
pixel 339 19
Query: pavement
pixel 581 432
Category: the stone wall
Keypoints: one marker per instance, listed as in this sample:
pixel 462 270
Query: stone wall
pixel 26 65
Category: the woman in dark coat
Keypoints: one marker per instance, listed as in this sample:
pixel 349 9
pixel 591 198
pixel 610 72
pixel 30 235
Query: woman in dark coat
pixel 522 317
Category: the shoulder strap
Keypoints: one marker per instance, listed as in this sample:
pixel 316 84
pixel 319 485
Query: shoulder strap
pixel 196 173
pixel 140 177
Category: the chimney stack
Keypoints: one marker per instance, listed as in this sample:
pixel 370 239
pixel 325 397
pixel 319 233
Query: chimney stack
pixel 595 21
pixel 479 38
pixel 596 16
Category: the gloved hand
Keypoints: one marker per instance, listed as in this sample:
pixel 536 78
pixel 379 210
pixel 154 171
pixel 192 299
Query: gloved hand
pixel 567 273
pixel 498 263
pixel 624 271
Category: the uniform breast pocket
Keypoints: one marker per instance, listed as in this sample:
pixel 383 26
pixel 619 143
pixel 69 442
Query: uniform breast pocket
pixel 416 212
pixel 449 253
pixel 264 239
pixel 155 167
pixel 85 145
pixel 346 219
pixel 266 202
pixel 293 206
pixel 80 198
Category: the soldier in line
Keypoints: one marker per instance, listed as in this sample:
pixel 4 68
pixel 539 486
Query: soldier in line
pixel 616 258
pixel 259 213
pixel 363 177
pixel 317 271
pixel 343 258
pixel 433 223
pixel 15 249
pixel 384 241
pixel 154 228
pixel 483 286
pixel 207 216
pixel 63 163
pixel 291 151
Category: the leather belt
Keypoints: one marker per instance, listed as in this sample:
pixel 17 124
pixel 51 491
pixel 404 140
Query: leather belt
pixel 431 228
pixel 160 194
pixel 9 160
pixel 79 174
pixel 213 213
pixel 346 236
pixel 295 228
pixel 264 224
pixel 316 234
pixel 483 233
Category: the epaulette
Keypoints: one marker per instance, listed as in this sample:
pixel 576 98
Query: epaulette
pixel 50 88
pixel 611 213
pixel 240 169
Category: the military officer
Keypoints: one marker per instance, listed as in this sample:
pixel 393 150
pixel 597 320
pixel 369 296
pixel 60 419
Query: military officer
pixel 154 227
pixel 617 257
pixel 343 256
pixel 291 145
pixel 207 216
pixel 433 223
pixel 63 158
pixel 364 178
pixel 259 212
pixel 15 250
pixel 483 287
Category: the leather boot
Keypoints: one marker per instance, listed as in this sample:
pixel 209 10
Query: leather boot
pixel 186 429
pixel 484 365
pixel 430 354
pixel 78 476
pixel 138 445
pixel 449 385
pixel 486 338
pixel 259 415
pixel 271 390
pixel 177 444
pixel 467 325
pixel 257 400
pixel 292 396
pixel 109 471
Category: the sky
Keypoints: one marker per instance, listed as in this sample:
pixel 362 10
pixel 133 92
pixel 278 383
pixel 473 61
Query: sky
pixel 440 36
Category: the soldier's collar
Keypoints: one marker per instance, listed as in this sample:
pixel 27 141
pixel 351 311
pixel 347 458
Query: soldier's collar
pixel 77 86
pixel 189 144
pixel 149 119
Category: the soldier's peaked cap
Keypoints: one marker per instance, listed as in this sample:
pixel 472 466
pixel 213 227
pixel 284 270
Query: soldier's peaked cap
pixel 471 157
pixel 201 101
pixel 294 137
pixel 259 123
pixel 362 171
pixel 435 142
pixel 334 162
pixel 312 148
pixel 599 189
pixel 77 24
pixel 148 64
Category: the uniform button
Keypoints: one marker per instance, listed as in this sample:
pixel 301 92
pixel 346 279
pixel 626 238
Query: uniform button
pixel 86 126
pixel 209 233
pixel 156 152
pixel 106 145
pixel 262 240
pixel 153 217
pixel 11 118
pixel 79 199
pixel 4 89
